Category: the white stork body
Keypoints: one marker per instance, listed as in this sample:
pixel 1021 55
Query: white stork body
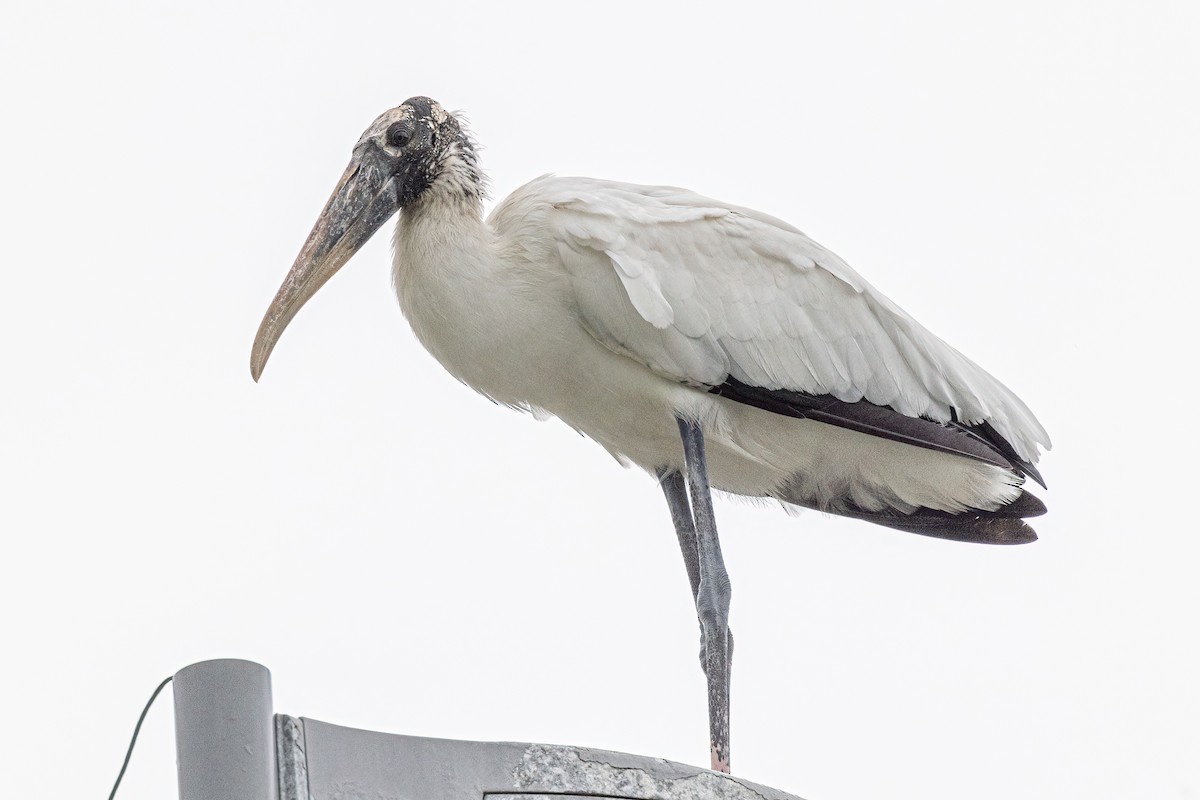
pixel 614 307
pixel 712 345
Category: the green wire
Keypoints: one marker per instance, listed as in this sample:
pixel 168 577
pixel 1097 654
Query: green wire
pixel 133 741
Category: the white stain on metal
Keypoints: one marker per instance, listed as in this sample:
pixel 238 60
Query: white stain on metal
pixel 549 768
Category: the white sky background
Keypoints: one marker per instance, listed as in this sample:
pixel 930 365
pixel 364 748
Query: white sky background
pixel 405 556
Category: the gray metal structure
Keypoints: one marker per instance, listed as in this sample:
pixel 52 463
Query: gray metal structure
pixel 232 747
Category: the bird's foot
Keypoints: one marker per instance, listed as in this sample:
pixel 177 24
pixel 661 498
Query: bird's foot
pixel 719 762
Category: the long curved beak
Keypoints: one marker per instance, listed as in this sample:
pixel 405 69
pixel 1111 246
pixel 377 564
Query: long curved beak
pixel 364 199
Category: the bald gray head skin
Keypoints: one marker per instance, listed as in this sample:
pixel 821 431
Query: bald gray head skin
pixel 407 154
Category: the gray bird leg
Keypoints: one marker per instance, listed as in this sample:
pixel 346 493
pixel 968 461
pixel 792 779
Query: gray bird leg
pixel 675 489
pixel 712 593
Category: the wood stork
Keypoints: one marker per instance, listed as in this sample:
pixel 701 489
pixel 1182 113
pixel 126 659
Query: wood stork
pixel 709 344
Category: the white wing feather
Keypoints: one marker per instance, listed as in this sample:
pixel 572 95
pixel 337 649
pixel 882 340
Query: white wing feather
pixel 699 290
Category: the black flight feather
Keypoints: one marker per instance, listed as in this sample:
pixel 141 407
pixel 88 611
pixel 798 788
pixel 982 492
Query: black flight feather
pixel 980 442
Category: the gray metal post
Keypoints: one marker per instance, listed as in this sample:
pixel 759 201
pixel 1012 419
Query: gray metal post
pixel 224 731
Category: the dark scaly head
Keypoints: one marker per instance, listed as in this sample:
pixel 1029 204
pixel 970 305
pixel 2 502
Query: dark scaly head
pixel 433 155
pixel 410 157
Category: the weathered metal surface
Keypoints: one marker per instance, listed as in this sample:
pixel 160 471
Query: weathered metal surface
pixel 224 732
pixel 289 752
pixel 231 747
pixel 350 764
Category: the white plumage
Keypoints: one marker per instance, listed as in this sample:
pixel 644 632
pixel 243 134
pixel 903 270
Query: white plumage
pixel 605 303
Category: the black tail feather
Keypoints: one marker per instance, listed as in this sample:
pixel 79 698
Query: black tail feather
pixel 1005 525
pixel 966 527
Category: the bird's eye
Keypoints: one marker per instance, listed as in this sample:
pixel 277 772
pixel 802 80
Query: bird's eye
pixel 399 133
